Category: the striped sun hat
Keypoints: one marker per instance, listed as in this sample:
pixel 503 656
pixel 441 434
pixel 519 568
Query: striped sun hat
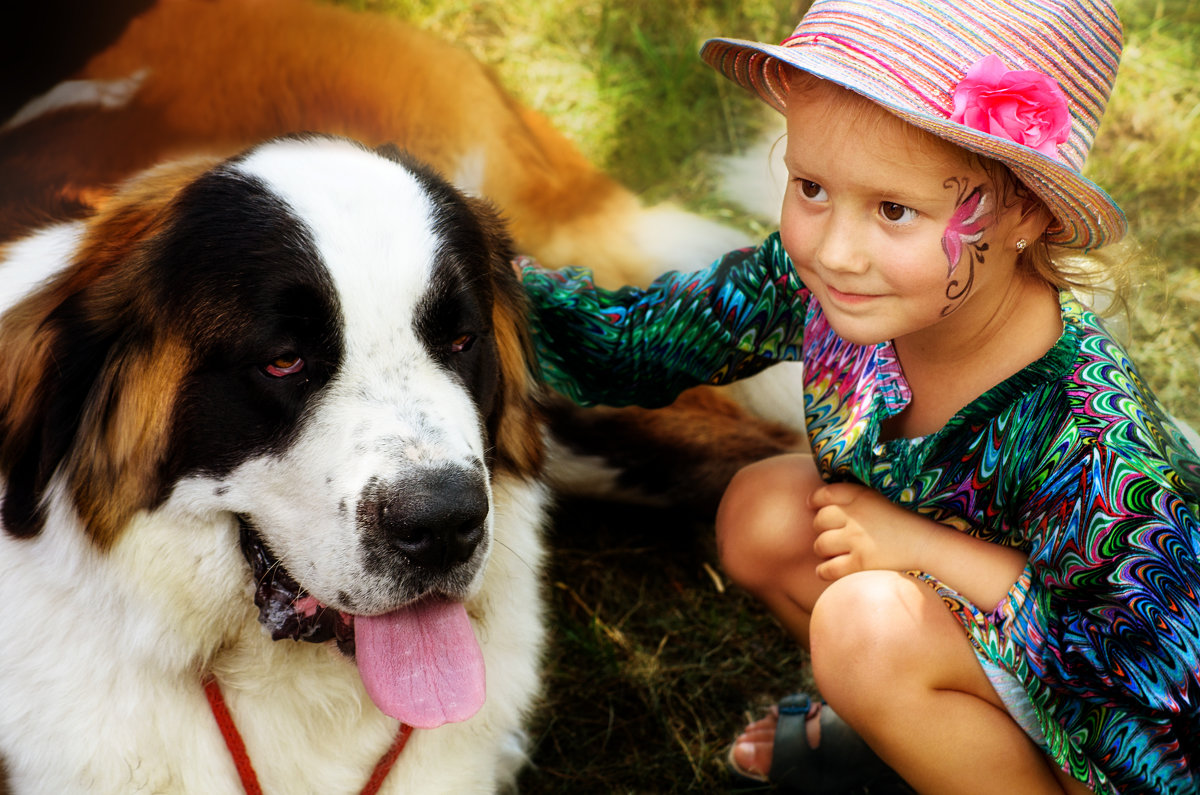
pixel 1024 82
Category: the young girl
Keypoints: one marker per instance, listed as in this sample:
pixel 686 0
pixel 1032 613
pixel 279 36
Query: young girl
pixel 993 551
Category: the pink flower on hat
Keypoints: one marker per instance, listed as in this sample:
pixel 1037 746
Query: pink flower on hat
pixel 1024 106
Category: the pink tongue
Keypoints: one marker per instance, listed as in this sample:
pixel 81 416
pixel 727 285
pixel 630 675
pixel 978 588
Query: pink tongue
pixel 421 664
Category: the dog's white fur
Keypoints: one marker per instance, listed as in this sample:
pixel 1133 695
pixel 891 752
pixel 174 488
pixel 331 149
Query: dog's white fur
pixel 105 648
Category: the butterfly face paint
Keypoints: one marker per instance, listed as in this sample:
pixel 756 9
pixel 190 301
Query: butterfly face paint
pixel 963 239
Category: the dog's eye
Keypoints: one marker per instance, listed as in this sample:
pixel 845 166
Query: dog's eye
pixel 285 365
pixel 461 343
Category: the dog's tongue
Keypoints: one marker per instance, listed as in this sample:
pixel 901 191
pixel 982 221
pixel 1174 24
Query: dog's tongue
pixel 421 664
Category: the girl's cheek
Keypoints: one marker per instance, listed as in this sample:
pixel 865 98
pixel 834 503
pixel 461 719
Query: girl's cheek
pixel 964 241
pixel 972 218
pixel 792 232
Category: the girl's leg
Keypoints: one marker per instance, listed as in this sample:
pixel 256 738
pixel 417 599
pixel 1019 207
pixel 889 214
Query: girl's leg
pixel 765 537
pixel 896 665
pixel 765 542
pixel 887 654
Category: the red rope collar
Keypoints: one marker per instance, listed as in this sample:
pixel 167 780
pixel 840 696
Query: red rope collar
pixel 237 748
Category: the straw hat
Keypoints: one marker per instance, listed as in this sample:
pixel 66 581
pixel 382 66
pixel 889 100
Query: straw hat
pixel 1022 81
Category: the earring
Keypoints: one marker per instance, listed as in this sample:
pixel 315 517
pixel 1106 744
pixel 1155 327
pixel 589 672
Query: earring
pixel 1021 244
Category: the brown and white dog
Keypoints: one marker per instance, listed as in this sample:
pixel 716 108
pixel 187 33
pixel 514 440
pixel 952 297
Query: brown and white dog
pixel 267 416
pixel 280 396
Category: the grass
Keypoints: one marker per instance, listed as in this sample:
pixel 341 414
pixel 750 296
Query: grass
pixel 653 661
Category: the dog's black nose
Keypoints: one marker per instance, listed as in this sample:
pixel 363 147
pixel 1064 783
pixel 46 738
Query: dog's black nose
pixel 435 518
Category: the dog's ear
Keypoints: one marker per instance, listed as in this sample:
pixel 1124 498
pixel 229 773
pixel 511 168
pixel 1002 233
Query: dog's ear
pixel 515 424
pixel 27 356
pixel 85 387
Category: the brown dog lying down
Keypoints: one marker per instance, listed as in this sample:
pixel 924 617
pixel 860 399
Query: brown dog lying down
pixel 220 75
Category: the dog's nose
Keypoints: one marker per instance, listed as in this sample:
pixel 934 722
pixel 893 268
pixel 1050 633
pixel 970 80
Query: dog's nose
pixel 436 519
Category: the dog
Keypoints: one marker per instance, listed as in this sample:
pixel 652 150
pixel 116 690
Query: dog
pixel 266 398
pixel 220 75
pixel 281 396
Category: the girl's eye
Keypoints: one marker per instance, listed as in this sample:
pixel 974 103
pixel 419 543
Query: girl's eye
pixel 811 190
pixel 285 365
pixel 897 213
pixel 462 343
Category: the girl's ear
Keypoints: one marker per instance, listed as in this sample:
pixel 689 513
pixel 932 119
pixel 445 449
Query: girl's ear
pixel 1035 220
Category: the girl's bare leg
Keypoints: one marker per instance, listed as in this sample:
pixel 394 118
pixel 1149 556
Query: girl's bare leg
pixel 888 654
pixel 765 537
pixel 889 657
pixel 765 541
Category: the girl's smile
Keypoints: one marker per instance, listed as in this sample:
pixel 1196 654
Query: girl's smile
pixel 847 298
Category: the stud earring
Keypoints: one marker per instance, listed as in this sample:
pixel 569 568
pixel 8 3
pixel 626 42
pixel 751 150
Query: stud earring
pixel 1021 244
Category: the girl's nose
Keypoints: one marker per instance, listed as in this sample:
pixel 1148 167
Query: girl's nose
pixel 841 247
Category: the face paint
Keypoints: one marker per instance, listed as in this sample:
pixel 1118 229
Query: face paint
pixel 972 217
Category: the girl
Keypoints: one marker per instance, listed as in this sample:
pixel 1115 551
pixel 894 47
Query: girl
pixel 993 551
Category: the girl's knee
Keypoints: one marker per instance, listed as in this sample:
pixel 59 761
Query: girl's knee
pixel 864 623
pixel 763 524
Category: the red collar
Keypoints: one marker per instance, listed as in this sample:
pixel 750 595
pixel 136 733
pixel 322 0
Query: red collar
pixel 237 748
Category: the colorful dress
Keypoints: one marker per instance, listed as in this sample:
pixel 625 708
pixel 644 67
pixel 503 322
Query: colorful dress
pixel 1072 460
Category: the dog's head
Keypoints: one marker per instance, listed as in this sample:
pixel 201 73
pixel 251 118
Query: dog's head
pixel 324 341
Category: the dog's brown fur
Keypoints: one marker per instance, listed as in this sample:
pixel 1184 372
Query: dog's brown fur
pixel 220 75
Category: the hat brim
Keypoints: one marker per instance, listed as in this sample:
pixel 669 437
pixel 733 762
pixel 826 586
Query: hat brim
pixel 1086 216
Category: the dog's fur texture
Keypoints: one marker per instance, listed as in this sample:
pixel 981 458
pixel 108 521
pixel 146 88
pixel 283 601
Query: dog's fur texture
pixel 165 274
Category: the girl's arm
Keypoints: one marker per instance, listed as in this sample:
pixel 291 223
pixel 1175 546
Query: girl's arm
pixel 645 346
pixel 1113 603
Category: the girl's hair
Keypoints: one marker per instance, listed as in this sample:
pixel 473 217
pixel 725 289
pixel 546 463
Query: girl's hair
pixel 1101 278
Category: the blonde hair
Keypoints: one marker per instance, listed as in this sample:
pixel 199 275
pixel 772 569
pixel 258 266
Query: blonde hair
pixel 1101 278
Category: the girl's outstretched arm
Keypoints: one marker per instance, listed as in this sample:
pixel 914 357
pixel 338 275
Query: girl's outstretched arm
pixel 646 345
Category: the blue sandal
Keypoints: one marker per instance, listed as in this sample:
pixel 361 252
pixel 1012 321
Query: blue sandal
pixel 841 763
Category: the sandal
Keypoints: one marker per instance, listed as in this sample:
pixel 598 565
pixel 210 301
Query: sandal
pixel 841 763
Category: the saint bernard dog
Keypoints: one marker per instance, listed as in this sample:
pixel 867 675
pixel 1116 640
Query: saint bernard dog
pixel 270 460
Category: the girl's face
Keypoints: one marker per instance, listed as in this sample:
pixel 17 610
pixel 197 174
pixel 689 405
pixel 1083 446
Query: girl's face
pixel 896 233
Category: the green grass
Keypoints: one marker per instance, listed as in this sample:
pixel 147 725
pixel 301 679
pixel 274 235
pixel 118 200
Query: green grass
pixel 652 664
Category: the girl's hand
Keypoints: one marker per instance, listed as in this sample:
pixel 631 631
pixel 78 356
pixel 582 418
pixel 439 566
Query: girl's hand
pixel 860 529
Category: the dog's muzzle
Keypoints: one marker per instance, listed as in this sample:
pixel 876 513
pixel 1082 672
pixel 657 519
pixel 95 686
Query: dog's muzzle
pixel 425 540
pixel 433 520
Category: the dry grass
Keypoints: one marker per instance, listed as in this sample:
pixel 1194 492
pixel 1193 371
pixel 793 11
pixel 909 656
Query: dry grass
pixel 654 661
pixel 653 664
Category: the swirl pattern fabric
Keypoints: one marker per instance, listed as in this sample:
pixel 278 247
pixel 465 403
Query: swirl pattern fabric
pixel 1073 460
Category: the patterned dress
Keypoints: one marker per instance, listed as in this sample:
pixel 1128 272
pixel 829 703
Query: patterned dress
pixel 1072 460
